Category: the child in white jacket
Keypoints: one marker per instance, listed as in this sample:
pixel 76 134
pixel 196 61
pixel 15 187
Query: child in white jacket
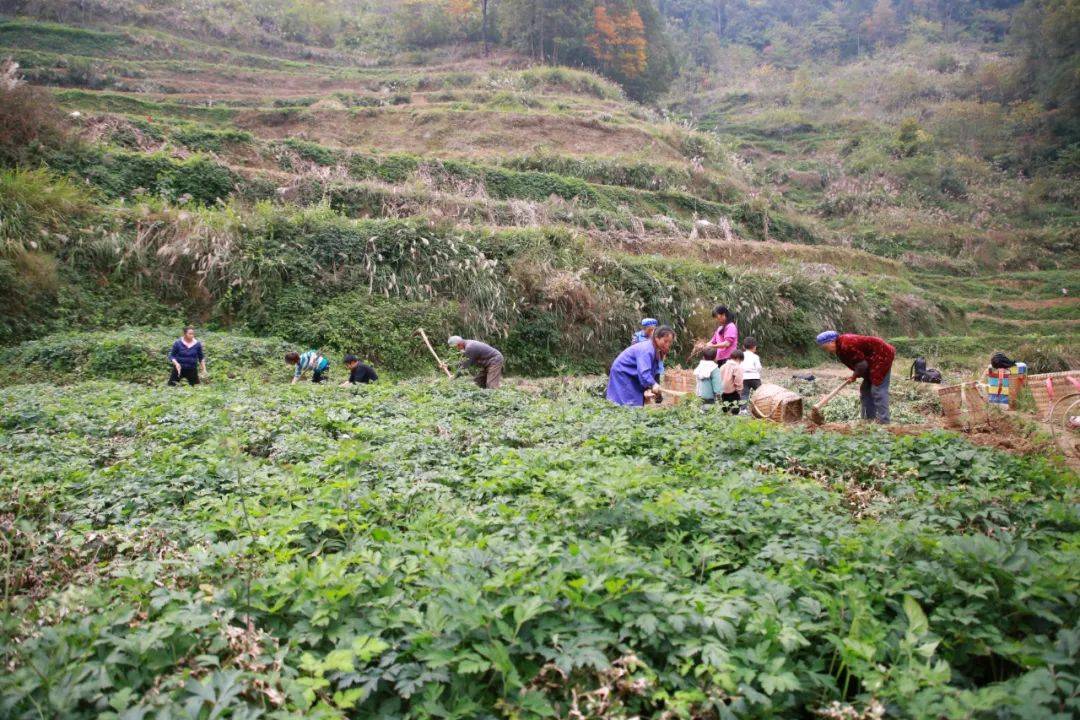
pixel 751 370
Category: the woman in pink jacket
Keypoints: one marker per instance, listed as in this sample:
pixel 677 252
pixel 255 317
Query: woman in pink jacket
pixel 726 337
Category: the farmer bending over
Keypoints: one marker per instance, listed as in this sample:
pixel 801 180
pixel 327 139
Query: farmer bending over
pixel 311 360
pixel 869 358
pixel 359 373
pixel 187 358
pixel 637 369
pixel 485 358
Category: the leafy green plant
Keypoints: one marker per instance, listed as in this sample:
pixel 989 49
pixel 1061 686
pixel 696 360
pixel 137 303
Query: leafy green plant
pixel 428 549
pixel 137 356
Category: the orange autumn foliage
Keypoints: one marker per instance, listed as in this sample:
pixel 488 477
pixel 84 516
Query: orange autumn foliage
pixel 618 41
pixel 460 8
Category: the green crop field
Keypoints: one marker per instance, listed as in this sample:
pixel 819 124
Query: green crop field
pixel 418 550
pixel 333 175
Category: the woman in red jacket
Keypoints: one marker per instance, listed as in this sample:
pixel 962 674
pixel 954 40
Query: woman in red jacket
pixel 869 358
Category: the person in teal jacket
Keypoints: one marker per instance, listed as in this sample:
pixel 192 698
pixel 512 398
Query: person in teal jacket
pixel 709 383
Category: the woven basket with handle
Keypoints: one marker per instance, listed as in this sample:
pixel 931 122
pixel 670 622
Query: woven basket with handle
pixel 772 402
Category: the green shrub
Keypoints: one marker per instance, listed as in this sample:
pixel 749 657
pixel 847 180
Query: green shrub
pixel 34 204
pixel 82 72
pixel 945 63
pixel 200 179
pixel 379 329
pixel 974 351
pixel 392 168
pixel 313 152
pixel 911 139
pixel 28 293
pixel 505 184
pixel 33 35
pixel 605 171
pixel 576 81
pixel 124 174
pixel 354 100
pixel 29 121
pixel 207 139
pixel 459 79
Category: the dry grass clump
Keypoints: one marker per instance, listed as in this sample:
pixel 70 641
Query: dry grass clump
pixel 103 128
pixel 186 252
pixel 28 117
pixel 566 292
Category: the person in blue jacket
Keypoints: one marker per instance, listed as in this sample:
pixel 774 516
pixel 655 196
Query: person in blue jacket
pixel 637 369
pixel 187 358
pixel 648 327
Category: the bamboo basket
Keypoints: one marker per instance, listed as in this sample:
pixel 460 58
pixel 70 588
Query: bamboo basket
pixel 1050 387
pixel 772 402
pixel 963 405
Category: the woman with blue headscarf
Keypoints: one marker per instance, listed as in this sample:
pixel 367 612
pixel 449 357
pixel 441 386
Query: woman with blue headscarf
pixel 869 358
pixel 648 327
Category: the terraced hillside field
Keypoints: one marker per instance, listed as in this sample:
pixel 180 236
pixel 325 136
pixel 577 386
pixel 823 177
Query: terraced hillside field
pixel 470 147
pixel 591 210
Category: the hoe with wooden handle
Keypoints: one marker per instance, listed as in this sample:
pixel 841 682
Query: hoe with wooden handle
pixel 816 416
pixel 420 331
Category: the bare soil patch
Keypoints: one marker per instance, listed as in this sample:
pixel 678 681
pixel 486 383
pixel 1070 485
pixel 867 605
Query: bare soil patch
pixel 1003 432
pixel 476 134
pixel 746 252
pixel 1040 304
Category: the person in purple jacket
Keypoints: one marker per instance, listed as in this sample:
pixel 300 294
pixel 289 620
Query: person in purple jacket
pixel 637 369
pixel 187 358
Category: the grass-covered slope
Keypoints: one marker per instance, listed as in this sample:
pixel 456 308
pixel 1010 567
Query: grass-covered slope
pixel 415 551
pixel 393 195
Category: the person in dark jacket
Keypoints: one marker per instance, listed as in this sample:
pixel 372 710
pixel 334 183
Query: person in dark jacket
pixel 187 358
pixel 869 358
pixel 359 373
pixel 486 359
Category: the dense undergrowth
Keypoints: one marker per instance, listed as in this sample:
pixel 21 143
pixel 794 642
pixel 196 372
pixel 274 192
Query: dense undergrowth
pixel 136 356
pixel 315 277
pixel 415 551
